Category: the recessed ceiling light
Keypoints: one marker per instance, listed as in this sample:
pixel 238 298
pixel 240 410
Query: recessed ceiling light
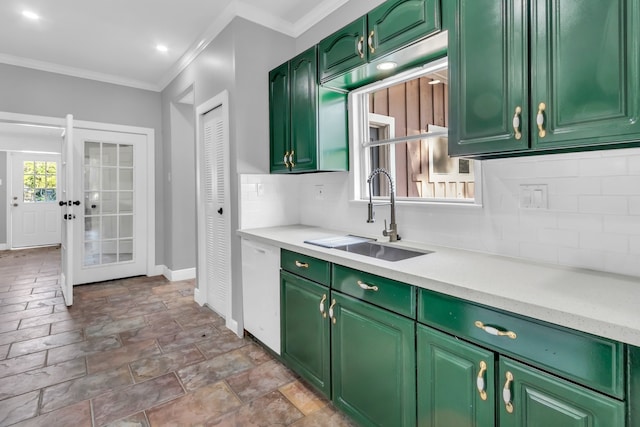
pixel 386 66
pixel 434 82
pixel 30 15
pixel 162 48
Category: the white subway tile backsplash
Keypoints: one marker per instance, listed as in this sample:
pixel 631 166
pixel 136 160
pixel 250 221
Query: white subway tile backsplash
pixel 603 166
pixel 556 237
pixel 610 242
pixel 592 220
pixel 622 185
pixel 611 205
pixel 629 225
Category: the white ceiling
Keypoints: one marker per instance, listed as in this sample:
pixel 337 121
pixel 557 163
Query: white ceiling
pixel 114 40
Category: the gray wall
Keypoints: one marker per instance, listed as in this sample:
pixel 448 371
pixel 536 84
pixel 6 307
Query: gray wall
pixel 28 91
pixel 238 61
pixel 3 197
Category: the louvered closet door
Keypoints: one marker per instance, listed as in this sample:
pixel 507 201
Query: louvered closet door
pixel 217 239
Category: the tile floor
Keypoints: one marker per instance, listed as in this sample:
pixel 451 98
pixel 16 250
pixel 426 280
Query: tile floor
pixel 134 352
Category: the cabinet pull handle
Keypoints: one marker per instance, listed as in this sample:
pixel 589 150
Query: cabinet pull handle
pixel 324 298
pixel 301 264
pixel 370 41
pixel 506 393
pixel 480 380
pixel 540 120
pixel 494 331
pixel 333 319
pixel 286 159
pixel 360 47
pixel 516 122
pixel 367 287
pixel 291 159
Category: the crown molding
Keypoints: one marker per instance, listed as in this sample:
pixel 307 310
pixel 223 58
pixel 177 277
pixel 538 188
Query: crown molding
pixel 76 72
pixel 237 8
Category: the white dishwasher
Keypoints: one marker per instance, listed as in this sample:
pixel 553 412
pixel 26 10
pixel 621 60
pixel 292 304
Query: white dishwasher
pixel 261 292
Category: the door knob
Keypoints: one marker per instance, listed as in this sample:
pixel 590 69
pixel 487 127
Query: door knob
pixel 77 203
pixel 220 211
pixel 15 198
pixel 62 203
pixel 15 205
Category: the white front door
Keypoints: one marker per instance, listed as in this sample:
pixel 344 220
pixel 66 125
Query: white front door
pixel 111 222
pixel 35 213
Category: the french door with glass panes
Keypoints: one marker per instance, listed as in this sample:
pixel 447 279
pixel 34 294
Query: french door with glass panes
pixel 110 228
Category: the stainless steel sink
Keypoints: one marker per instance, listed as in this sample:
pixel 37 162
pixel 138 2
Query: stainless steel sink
pixel 380 251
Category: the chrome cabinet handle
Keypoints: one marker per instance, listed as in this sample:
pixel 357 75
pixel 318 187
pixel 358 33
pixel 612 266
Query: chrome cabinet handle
pixel 286 159
pixel 301 264
pixel 480 383
pixel 331 314
pixel 367 287
pixel 494 331
pixel 360 47
pixel 324 298
pixel 540 120
pixel 370 41
pixel 516 122
pixel 506 393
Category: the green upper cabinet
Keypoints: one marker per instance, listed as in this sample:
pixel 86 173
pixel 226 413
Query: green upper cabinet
pixel 389 27
pixel 585 63
pixel 343 50
pixel 542 75
pixel 304 111
pixel 535 398
pixel 307 123
pixel 305 329
pixel 373 363
pixel 397 23
pixel 279 117
pixel 487 65
pixel 455 381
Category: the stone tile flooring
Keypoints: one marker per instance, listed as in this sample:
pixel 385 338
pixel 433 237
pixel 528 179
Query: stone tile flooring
pixel 134 352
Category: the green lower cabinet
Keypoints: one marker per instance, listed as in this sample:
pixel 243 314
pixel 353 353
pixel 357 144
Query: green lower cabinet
pixel 373 363
pixel 305 329
pixel 532 398
pixel 455 382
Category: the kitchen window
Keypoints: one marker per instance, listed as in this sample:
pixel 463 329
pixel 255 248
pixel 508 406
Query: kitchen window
pixel 400 124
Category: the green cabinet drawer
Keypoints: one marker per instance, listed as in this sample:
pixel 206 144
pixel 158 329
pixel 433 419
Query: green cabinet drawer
pixel 395 296
pixel 306 266
pixel 595 362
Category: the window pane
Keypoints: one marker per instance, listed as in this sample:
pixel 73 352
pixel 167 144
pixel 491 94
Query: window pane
pixel 126 226
pixel 92 153
pixel 50 195
pixel 91 201
pixel 28 168
pixel 109 202
pixel 41 167
pixel 109 227
pixel 109 154
pixel 29 181
pixel 51 168
pixel 109 179
pixel 51 181
pixel 126 179
pixel 41 181
pixel 126 155
pixel 126 250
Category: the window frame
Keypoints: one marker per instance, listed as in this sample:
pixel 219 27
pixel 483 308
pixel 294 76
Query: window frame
pixel 359 123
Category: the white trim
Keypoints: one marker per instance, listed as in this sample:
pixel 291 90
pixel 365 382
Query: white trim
pixel 198 297
pixel 157 270
pixel 3 247
pixel 7 183
pixel 220 100
pixel 82 73
pixel 151 178
pixel 176 275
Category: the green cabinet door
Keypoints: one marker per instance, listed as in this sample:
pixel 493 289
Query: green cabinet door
pixel 585 63
pixel 532 398
pixel 455 382
pixel 397 23
pixel 279 120
pixel 373 363
pixel 343 50
pixel 304 110
pixel 488 53
pixel 305 329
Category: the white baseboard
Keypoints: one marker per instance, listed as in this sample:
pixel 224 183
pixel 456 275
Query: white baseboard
pixel 157 270
pixel 3 247
pixel 174 276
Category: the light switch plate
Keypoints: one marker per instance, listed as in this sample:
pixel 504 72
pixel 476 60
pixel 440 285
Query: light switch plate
pixel 534 196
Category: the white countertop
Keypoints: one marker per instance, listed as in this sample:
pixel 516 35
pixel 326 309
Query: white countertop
pixel 603 304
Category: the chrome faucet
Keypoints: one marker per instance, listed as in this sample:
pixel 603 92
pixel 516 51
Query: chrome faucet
pixel 392 231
